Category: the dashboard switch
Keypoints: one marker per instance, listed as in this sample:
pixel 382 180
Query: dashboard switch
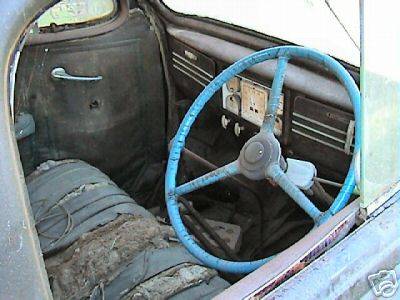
pixel 238 129
pixel 225 121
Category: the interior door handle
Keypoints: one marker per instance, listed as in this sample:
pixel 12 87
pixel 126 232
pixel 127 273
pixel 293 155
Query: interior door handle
pixel 60 73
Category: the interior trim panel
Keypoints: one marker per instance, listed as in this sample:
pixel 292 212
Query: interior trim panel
pixel 318 131
pixel 323 124
pixel 191 63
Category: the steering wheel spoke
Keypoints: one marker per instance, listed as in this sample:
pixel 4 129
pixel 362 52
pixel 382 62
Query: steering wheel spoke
pixel 276 174
pixel 209 178
pixel 273 101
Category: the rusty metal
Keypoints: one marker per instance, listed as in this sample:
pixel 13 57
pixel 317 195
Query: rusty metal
pixel 342 272
pixel 201 237
pixel 321 194
pixel 83 32
pixel 209 230
pixel 295 258
pixel 250 186
pixel 303 262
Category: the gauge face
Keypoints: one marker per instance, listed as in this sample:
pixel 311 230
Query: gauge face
pixel 249 100
pixel 233 85
pixel 254 102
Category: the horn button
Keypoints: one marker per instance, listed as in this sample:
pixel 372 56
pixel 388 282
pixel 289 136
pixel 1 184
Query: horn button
pixel 258 154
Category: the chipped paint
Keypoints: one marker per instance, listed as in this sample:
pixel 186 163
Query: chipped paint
pixel 330 240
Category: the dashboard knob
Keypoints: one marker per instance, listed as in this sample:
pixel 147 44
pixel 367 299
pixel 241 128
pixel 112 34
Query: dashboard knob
pixel 238 129
pixel 225 121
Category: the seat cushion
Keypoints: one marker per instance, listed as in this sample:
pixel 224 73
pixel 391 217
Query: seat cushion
pixel 98 243
pixel 70 197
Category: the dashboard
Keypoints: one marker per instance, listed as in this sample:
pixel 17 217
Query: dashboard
pixel 314 120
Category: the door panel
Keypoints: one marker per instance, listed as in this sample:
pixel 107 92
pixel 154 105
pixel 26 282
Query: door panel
pixel 117 123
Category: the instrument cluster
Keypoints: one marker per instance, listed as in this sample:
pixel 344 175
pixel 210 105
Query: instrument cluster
pixel 249 100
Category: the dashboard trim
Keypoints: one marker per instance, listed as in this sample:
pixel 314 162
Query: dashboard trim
pixel 190 70
pixel 348 136
pixel 190 76
pixel 192 64
pixel 317 140
pixel 318 123
pixel 319 132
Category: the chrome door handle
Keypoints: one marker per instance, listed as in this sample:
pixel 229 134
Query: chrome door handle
pixel 60 73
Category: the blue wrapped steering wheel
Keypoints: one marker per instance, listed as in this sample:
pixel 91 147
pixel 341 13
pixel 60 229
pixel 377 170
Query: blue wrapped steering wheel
pixel 260 157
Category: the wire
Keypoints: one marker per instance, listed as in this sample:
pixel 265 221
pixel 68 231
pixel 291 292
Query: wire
pixel 341 24
pixel 39 218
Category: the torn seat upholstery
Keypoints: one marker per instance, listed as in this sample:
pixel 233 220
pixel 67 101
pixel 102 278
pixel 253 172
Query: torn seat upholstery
pixel 99 244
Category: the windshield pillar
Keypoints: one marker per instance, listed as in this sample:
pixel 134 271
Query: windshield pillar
pixel 380 92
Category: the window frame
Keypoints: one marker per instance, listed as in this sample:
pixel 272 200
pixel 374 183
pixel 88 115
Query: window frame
pixel 286 36
pixel 78 32
pixel 80 24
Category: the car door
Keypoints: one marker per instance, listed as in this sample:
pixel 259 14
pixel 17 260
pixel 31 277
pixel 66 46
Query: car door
pixel 91 77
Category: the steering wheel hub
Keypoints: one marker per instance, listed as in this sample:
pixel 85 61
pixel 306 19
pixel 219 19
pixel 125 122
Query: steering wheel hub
pixel 254 152
pixel 257 154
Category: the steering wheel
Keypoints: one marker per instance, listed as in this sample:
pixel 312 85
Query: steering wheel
pixel 260 157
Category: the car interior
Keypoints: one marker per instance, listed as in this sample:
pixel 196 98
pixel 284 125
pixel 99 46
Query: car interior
pixel 97 106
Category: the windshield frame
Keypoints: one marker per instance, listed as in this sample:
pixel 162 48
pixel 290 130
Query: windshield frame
pixel 344 47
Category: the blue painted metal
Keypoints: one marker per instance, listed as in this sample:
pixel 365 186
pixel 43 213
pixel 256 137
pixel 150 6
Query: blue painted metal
pixel 276 173
pixel 273 101
pixel 179 142
pixel 209 178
